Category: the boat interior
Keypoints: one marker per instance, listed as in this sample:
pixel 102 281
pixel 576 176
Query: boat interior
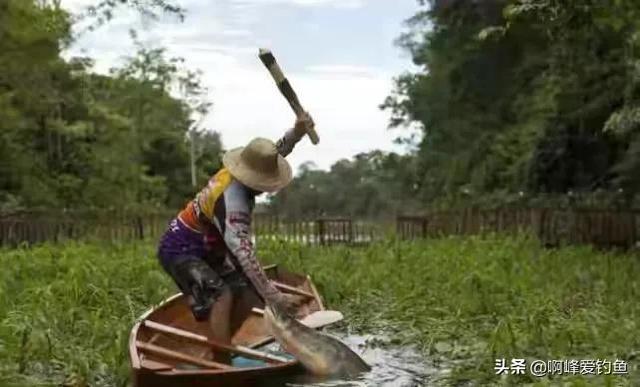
pixel 169 339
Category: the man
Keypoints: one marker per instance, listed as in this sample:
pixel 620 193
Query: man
pixel 207 249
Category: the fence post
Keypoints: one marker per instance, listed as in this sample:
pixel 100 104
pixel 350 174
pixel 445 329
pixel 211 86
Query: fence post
pixel 140 227
pixel 424 222
pixel 320 226
pixel 633 229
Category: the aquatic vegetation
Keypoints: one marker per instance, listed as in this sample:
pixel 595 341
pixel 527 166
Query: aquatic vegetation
pixel 469 301
pixel 66 310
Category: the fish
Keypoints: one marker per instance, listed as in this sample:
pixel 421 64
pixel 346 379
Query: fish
pixel 319 353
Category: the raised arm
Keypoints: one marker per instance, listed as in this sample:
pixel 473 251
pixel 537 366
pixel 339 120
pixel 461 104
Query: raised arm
pixel 291 137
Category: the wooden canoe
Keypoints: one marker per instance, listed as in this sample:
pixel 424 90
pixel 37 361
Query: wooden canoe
pixel 168 347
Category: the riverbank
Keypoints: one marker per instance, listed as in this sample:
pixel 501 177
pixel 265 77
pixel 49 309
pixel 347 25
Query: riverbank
pixel 66 311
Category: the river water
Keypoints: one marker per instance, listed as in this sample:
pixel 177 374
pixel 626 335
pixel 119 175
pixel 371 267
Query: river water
pixel 392 366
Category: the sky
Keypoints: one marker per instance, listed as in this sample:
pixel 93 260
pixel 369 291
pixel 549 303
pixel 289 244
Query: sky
pixel 339 55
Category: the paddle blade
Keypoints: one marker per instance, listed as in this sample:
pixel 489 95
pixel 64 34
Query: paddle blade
pixel 322 318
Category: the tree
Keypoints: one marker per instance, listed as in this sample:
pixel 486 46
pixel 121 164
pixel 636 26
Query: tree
pixel 104 10
pixel 70 138
pixel 526 95
pixel 371 184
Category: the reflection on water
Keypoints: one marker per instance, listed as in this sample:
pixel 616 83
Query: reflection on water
pixel 391 366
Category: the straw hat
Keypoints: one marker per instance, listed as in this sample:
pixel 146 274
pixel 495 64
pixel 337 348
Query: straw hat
pixel 258 166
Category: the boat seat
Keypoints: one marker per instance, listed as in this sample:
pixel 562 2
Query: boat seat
pixel 199 339
pixel 170 354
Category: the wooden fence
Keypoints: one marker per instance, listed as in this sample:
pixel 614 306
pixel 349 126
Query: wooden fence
pixel 38 227
pixel 603 228
pixel 553 227
pixel 322 231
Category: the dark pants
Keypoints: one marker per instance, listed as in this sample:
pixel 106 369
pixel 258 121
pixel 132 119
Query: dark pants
pixel 199 273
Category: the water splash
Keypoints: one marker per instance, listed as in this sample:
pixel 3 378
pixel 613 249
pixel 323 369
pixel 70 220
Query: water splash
pixel 392 366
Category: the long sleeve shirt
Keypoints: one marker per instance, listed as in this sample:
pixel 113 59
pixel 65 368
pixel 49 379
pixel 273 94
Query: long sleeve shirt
pixel 222 212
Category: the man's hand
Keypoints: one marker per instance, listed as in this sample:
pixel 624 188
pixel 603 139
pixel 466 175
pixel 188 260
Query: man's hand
pixel 290 303
pixel 302 123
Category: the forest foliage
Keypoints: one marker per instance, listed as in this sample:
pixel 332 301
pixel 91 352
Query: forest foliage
pixel 519 102
pixel 523 102
pixel 532 96
pixel 71 138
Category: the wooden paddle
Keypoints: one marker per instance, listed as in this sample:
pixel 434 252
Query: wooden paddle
pixel 315 320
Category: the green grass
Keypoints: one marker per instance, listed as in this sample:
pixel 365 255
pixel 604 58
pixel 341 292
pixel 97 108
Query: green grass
pixel 472 300
pixel 66 311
